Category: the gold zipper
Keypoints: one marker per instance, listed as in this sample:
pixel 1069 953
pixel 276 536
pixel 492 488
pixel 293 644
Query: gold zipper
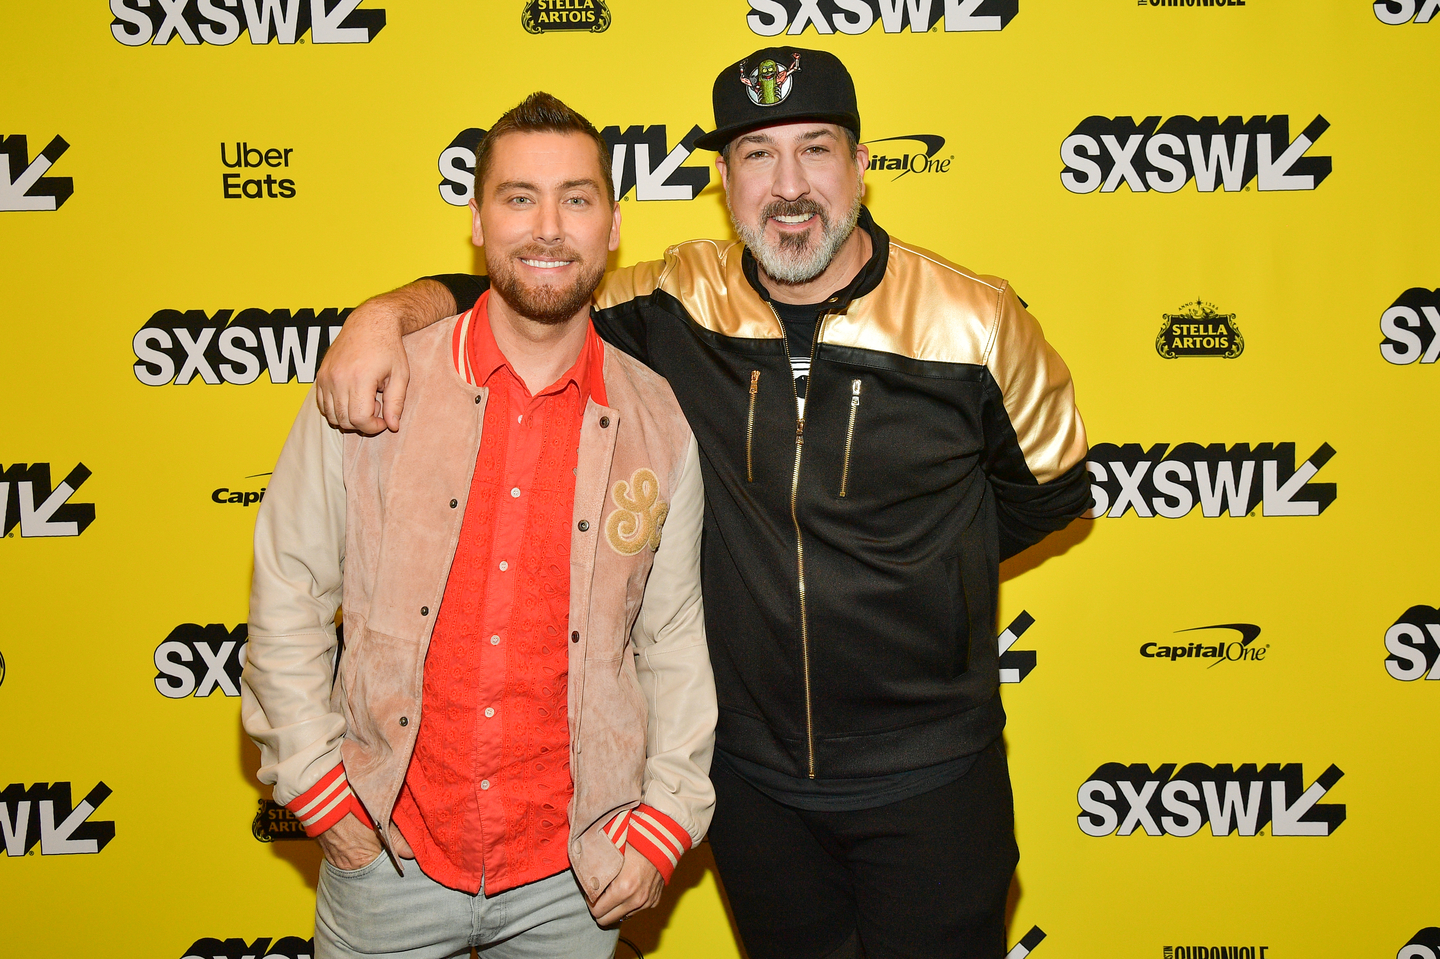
pixel 850 433
pixel 800 546
pixel 750 424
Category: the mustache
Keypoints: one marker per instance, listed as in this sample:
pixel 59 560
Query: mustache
pixel 799 207
pixel 537 252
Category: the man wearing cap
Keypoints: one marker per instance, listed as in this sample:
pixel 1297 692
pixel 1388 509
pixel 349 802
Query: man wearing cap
pixel 878 429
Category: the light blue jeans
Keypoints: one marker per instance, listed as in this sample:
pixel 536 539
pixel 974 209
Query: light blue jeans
pixel 376 913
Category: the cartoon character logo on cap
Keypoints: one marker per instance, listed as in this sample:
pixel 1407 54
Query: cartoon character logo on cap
pixel 769 83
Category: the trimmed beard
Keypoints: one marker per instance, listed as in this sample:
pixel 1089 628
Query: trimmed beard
pixel 544 304
pixel 794 259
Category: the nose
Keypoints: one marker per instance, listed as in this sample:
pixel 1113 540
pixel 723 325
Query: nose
pixel 547 224
pixel 790 182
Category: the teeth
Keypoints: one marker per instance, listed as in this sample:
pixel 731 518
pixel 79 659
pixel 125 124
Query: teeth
pixel 546 264
pixel 794 219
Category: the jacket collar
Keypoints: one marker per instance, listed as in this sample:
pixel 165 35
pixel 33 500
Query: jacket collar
pixel 862 283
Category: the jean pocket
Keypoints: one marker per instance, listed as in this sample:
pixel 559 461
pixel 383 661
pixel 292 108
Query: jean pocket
pixel 364 870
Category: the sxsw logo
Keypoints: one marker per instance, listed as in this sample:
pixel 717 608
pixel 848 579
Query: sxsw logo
pixel 1215 952
pixel 1167 482
pixel 231 347
pixel 290 947
pixel 23 184
pixel 1396 12
pixel 1413 645
pixel 28 501
pixel 639 161
pixel 1027 943
pixel 1016 664
pixel 197 660
pixel 43 814
pixel 770 18
pixel 1119 799
pixel 1102 153
pixel 1412 327
pixel 1425 944
pixel 220 22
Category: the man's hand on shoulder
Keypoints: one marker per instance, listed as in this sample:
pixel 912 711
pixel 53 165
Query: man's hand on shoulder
pixel 637 886
pixel 350 844
pixel 362 381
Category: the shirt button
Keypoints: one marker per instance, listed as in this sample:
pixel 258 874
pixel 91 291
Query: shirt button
pixel 484 784
pixel 494 640
pixel 489 713
pixel 504 566
pixel 424 610
pixel 454 503
pixel 584 525
pixel 477 400
pixel 575 637
pixel 604 422
pixel 404 720
pixel 515 492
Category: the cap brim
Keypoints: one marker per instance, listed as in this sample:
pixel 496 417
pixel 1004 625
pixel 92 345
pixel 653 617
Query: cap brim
pixel 718 138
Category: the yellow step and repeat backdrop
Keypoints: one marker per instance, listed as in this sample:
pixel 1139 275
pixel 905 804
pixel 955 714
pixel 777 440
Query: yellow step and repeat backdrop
pixel 1226 213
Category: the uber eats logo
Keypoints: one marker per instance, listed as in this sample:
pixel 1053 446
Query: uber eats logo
pixel 289 947
pixel 1412 328
pixel 220 22
pixel 230 347
pixel 43 815
pixel 28 501
pixel 23 184
pixel 1396 12
pixel 1102 153
pixel 1170 482
pixel 1412 645
pixel 770 18
pixel 1119 800
pixel 639 161
pixel 199 660
pixel 1425 944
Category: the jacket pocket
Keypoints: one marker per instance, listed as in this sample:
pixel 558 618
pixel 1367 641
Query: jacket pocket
pixel 750 426
pixel 855 386
pixel 959 619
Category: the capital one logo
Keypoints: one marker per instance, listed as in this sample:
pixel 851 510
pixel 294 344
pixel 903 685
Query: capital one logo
pixel 199 660
pixel 1170 483
pixel 23 184
pixel 1412 327
pixel 288 947
pixel 43 815
pixel 1118 800
pixel 770 18
pixel 1412 645
pixel 639 161
pixel 1425 944
pixel 28 501
pixel 1396 12
pixel 220 22
pixel 234 347
pixel 1103 153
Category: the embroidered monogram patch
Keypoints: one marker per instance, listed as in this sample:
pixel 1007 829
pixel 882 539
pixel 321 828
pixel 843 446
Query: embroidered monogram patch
pixel 637 522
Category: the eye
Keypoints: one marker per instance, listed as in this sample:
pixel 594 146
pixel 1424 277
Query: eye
pixel 519 200
pixel 577 200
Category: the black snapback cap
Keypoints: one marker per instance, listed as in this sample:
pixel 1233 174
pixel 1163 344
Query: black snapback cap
pixel 781 85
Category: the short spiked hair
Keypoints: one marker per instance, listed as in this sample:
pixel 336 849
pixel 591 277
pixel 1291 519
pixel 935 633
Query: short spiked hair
pixel 542 113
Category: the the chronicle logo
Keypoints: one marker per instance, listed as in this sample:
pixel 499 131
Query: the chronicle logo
pixel 23 184
pixel 1412 327
pixel 770 18
pixel 197 660
pixel 544 16
pixel 1199 329
pixel 234 347
pixel 273 821
pixel 28 501
pixel 1425 944
pixel 1170 482
pixel 1027 943
pixel 1119 799
pixel 1215 952
pixel 1396 12
pixel 1412 645
pixel 1190 3
pixel 1016 664
pixel 1242 650
pixel 639 161
pixel 900 159
pixel 289 947
pixel 43 814
pixel 220 22
pixel 1102 153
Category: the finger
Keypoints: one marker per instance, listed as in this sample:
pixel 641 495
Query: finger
pixel 617 914
pixel 362 409
pixel 322 402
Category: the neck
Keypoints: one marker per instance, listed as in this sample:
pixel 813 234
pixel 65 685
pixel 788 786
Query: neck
pixel 538 352
pixel 849 260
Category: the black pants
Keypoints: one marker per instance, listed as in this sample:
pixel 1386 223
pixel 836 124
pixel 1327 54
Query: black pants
pixel 924 878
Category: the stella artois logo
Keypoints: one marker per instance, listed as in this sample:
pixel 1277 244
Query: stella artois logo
pixel 1199 329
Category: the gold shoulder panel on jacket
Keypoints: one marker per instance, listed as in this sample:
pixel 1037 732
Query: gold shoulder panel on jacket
pixel 707 278
pixel 926 308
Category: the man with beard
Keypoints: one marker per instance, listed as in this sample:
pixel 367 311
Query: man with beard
pixel 878 429
pixel 524 711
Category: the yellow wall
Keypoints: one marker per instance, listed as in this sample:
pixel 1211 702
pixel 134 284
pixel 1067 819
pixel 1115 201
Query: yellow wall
pixel 1307 275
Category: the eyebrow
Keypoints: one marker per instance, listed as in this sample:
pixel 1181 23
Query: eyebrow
pixel 526 185
pixel 765 138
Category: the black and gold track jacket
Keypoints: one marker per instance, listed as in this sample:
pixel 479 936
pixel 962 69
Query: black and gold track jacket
pixel 851 558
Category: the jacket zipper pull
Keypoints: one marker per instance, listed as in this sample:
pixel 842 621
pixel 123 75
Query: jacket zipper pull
pixel 850 434
pixel 750 426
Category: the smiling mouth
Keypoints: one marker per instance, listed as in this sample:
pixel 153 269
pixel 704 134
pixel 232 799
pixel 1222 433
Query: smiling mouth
pixel 794 220
pixel 545 264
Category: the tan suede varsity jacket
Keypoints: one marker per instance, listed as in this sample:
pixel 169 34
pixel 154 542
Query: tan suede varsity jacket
pixel 370 524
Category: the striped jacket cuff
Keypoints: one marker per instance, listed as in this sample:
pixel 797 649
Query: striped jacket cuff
pixel 651 833
pixel 326 803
